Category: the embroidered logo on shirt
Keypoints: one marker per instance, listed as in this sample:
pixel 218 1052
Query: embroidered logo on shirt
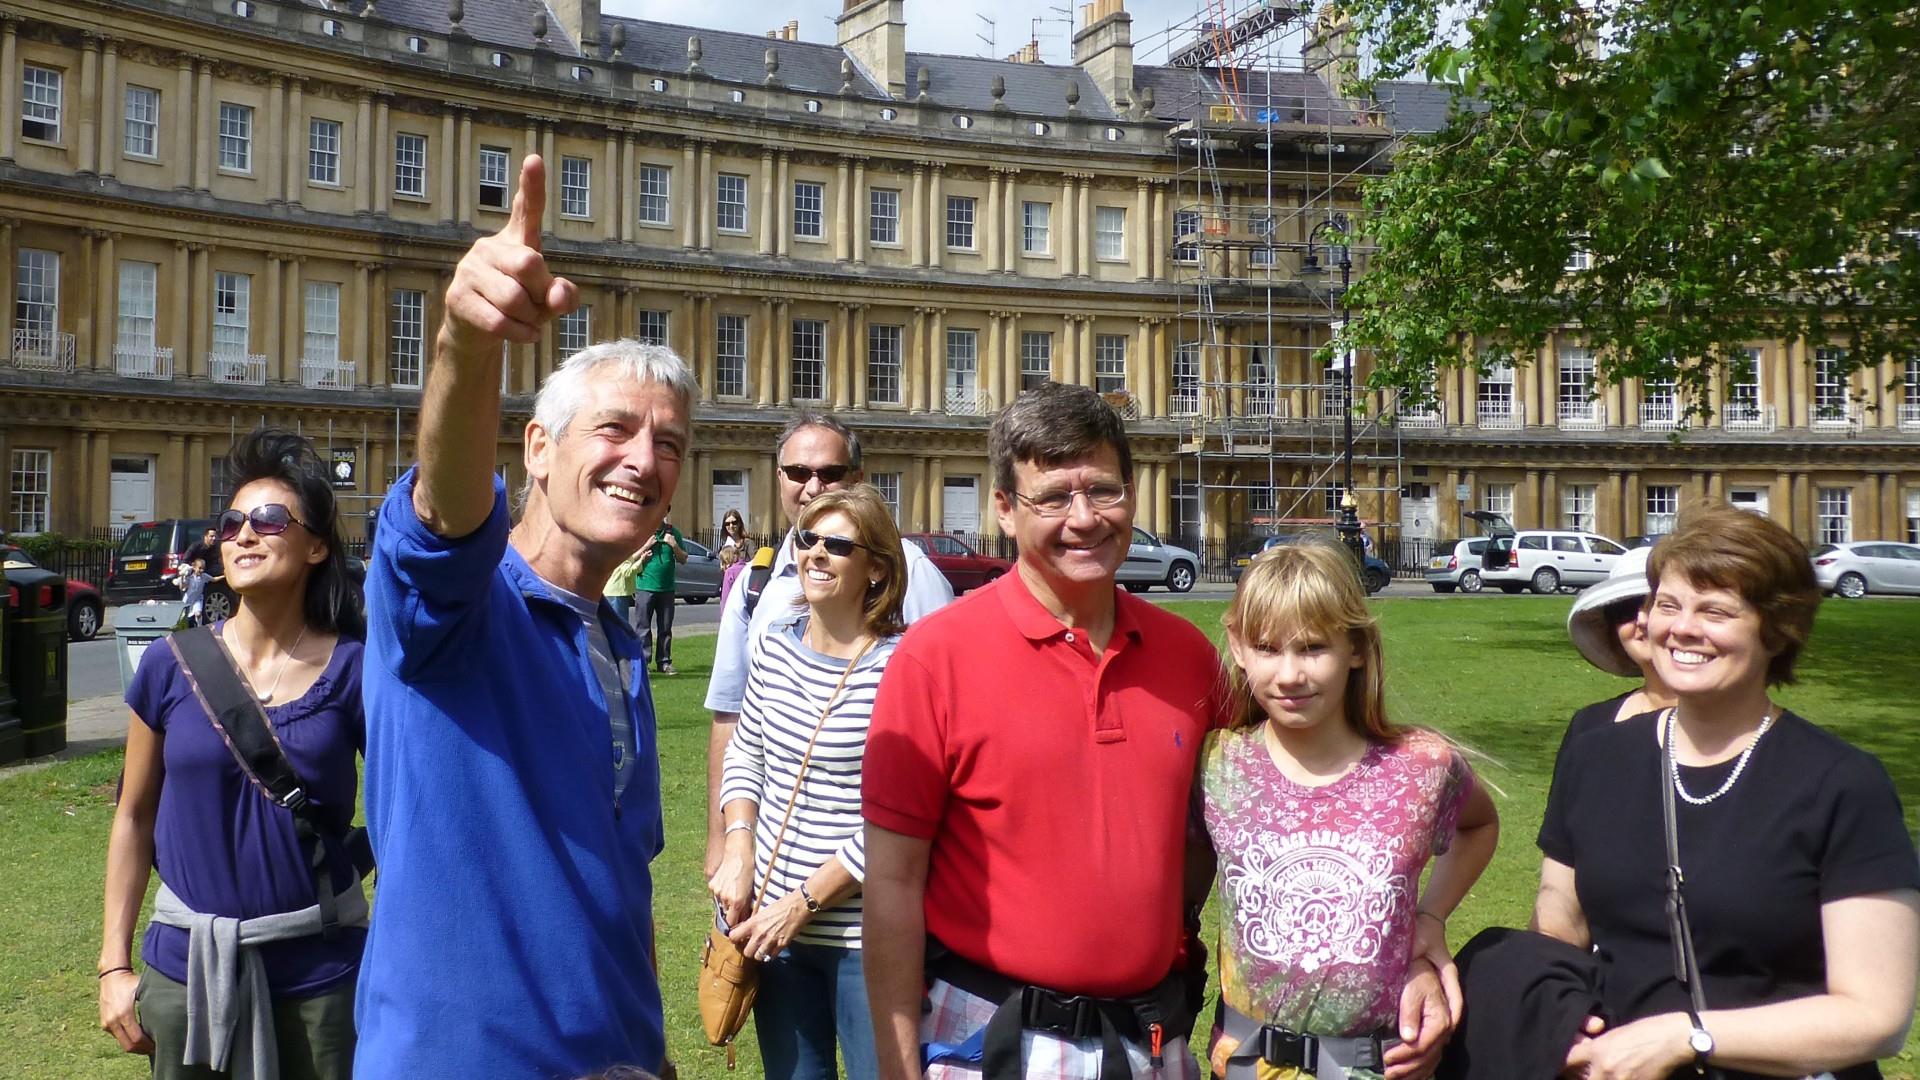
pixel 1315 898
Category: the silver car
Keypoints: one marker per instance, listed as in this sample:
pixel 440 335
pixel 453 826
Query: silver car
pixel 1152 561
pixel 698 579
pixel 1854 570
pixel 1456 564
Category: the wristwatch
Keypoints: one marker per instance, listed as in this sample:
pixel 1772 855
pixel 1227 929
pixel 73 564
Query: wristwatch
pixel 814 906
pixel 1701 1043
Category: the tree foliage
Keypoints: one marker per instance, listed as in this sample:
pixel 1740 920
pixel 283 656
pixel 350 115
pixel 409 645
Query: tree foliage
pixel 1731 171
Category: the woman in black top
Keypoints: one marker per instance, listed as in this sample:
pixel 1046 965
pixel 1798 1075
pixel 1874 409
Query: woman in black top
pixel 1609 628
pixel 1800 879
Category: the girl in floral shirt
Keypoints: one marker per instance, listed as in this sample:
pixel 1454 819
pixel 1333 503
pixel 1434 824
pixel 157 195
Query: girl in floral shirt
pixel 1322 815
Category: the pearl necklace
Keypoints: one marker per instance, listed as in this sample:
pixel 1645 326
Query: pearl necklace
pixel 1739 766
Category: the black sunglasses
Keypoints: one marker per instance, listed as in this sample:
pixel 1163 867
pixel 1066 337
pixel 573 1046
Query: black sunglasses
pixel 841 546
pixel 269 519
pixel 828 474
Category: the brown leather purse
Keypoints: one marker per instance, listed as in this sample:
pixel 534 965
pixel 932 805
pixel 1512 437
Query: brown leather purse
pixel 729 978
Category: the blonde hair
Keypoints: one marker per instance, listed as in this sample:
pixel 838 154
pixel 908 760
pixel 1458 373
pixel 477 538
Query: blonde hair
pixel 867 510
pixel 1303 589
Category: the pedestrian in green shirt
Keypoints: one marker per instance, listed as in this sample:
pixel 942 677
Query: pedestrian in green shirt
pixel 653 593
pixel 619 588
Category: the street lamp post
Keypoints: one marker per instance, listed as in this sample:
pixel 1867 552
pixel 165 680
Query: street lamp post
pixel 1334 229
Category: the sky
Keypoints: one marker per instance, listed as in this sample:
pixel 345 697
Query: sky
pixel 942 26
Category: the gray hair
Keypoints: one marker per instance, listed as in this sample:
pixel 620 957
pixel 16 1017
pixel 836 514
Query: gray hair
pixel 564 393
pixel 807 418
pixel 1052 424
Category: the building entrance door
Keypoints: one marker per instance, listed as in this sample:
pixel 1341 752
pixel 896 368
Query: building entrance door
pixel 131 492
pixel 960 506
pixel 1417 511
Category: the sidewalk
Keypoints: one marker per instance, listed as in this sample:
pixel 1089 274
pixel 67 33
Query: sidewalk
pixel 93 725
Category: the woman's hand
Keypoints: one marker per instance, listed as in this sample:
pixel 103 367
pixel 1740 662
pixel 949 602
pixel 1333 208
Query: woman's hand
pixel 117 1012
pixel 1647 1049
pixel 1430 944
pixel 1424 1025
pixel 732 884
pixel 772 927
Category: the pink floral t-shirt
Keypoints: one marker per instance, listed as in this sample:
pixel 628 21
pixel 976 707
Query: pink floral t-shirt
pixel 1317 885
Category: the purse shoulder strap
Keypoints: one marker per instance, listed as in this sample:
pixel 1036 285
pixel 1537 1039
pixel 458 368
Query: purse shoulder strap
pixel 237 716
pixel 1686 965
pixel 806 759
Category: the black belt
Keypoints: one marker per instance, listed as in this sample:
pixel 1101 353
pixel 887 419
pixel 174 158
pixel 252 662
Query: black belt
pixel 1151 1017
pixel 1280 1047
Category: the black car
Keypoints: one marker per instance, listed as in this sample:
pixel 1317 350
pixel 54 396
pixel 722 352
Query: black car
pixel 1375 573
pixel 150 555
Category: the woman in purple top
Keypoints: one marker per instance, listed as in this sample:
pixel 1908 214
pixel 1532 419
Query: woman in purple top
pixel 220 846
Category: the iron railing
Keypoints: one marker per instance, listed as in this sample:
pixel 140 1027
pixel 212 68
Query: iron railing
pixel 143 362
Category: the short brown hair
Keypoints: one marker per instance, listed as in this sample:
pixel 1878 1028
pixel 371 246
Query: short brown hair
pixel 1053 424
pixel 867 509
pixel 1720 547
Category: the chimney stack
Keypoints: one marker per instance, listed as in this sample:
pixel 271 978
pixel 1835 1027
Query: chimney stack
pixel 580 21
pixel 1329 53
pixel 1104 49
pixel 874 33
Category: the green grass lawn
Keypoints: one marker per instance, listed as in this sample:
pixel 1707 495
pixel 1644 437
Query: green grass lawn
pixel 1495 673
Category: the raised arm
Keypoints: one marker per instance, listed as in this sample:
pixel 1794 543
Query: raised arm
pixel 501 292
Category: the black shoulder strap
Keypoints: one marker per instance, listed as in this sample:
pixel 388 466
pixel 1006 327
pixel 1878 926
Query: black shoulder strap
pixel 1686 964
pixel 758 574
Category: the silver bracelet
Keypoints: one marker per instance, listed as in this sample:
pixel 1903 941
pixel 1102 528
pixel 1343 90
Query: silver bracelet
pixel 737 826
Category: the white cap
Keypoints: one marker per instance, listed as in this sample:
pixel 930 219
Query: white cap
pixel 1587 622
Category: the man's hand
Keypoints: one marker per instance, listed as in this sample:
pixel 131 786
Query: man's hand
pixel 502 290
pixel 1424 1025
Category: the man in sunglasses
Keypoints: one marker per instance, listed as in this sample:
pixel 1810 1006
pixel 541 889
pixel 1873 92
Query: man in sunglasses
pixel 512 777
pixel 814 454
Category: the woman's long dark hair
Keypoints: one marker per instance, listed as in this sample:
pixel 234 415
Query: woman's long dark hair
pixel 332 603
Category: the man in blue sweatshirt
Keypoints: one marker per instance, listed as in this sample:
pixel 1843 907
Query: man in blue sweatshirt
pixel 513 788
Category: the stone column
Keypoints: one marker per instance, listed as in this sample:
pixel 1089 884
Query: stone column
pixel 460 188
pixel 83 475
pixel 380 349
pixel 916 215
pixel 1064 245
pixel 292 322
pixel 1084 227
pixel 783 205
pixel 174 279
pixel 10 89
pixel 782 336
pixel 995 374
pixel 197 475
pixel 1010 363
pixel 1159 259
pixel 295 145
pixel 936 396
pixel 444 157
pixel 915 364
pixel 1086 350
pixel 858 376
pixel 936 494
pixel 106 303
pixel 109 109
pixel 363 154
pixel 204 130
pixel 264 330
pixel 843 215
pixel 358 342
pixel 173 468
pixel 1142 239
pixel 614 204
pixel 767 223
pixel 1066 358
pixel 1800 506
pixel 936 218
pixel 270 163
pixel 686 195
pixel 1140 368
pixel 763 385
pixel 1796 411
pixel 917 521
pixel 683 327
pixel 550 221
pixel 703 332
pixel 1010 226
pixel 995 208
pixel 862 210
pixel 840 372
pixel 704 195
pixel 87 136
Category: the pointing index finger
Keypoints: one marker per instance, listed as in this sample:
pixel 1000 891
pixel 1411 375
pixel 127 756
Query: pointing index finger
pixel 529 203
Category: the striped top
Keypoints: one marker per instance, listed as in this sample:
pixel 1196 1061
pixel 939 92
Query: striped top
pixel 787 687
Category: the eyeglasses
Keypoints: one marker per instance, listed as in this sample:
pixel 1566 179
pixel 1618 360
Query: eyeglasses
pixel 828 474
pixel 841 546
pixel 1058 502
pixel 268 519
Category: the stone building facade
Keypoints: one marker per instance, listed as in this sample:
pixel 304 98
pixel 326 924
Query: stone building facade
pixel 218 213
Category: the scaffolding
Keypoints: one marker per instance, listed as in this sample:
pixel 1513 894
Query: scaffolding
pixel 1269 166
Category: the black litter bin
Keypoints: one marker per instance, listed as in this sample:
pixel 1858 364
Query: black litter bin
pixel 36 663
pixel 11 748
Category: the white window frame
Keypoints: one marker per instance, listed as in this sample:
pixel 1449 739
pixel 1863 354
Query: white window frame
pixel 1831 390
pixel 1574 384
pixel 324 139
pixel 884 373
pixel 1661 509
pixel 962 213
pixel 1501 378
pixel 888 485
pixel 576 187
pixel 809 210
pixel 730 203
pixel 573 331
pixel 490 173
pixel 652 327
pixel 1186 221
pixel 1834 508
pixel 653 195
pixel 883 217
pixel 232 313
pixel 1183 383
pixel 236 137
pixel 41 95
pixel 963 361
pixel 30 490
pixel 807 343
pixel 1261 391
pixel 1746 398
pixel 1260 222
pixel 36 293
pixel 140 123
pixel 730 356
pixel 1110 363
pixel 409 165
pixel 407 352
pixel 1578 507
pixel 1110 233
pixel 1036 358
pixel 1036 229
pixel 320 332
pixel 139 306
pixel 1497 498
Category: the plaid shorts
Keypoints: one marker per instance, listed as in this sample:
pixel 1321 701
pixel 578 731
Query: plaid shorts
pixel 955 1015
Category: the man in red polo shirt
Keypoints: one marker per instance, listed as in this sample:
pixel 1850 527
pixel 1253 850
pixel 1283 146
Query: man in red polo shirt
pixel 1026 787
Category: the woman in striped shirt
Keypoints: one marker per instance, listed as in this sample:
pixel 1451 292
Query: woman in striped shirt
pixel 809 698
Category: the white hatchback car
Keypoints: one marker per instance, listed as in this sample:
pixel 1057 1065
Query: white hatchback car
pixel 1547 559
pixel 1856 569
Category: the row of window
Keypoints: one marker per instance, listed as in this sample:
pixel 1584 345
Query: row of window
pixel 1660 509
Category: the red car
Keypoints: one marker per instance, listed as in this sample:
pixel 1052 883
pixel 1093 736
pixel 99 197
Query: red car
pixel 85 610
pixel 965 568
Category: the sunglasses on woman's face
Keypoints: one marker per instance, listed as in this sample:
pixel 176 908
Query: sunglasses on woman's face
pixel 268 519
pixel 841 546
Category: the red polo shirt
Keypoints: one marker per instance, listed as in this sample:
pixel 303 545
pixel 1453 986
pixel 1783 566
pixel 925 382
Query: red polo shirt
pixel 1052 781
